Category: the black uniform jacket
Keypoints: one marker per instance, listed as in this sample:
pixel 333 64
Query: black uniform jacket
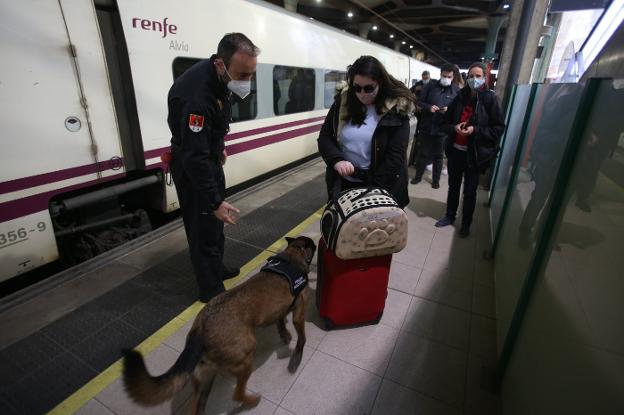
pixel 389 146
pixel 199 118
pixel 488 122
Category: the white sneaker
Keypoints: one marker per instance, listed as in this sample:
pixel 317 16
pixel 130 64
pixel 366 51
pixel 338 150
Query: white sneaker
pixel 444 171
pixel 429 167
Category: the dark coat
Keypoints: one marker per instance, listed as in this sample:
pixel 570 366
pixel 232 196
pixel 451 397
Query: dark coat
pixel 488 122
pixel 199 95
pixel 434 94
pixel 388 152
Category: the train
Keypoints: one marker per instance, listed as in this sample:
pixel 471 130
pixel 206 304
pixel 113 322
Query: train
pixel 83 105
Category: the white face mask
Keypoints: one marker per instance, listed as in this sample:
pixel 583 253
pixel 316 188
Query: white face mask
pixel 240 88
pixel 445 81
pixel 476 83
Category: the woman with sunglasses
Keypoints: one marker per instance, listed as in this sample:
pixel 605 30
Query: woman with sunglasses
pixel 364 138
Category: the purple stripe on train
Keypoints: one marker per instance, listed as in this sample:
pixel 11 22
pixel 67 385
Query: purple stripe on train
pixel 157 152
pixel 36 203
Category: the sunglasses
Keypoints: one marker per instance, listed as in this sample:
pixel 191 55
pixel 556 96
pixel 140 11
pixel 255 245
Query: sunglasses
pixel 366 88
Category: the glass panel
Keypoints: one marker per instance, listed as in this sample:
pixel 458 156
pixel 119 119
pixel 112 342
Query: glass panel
pixel 549 128
pixel 331 79
pixel 242 109
pixel 293 90
pixel 508 154
pixel 569 354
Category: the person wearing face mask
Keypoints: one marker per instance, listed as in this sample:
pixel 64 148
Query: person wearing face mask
pixel 474 123
pixel 433 103
pixel 418 86
pixel 364 137
pixel 199 118
pixel 416 89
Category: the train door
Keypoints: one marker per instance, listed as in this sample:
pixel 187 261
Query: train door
pixel 95 87
pixel 58 124
pixel 46 138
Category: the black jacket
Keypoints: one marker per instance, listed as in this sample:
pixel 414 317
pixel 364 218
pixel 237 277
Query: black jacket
pixel 434 94
pixel 488 122
pixel 198 95
pixel 389 147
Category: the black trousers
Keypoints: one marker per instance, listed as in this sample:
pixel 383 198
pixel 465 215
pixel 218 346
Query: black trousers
pixel 431 150
pixel 414 150
pixel 204 233
pixel 458 169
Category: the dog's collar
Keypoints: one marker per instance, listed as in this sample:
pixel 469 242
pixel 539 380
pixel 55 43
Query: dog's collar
pixel 284 258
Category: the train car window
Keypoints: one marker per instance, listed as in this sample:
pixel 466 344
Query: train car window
pixel 293 89
pixel 331 79
pixel 242 109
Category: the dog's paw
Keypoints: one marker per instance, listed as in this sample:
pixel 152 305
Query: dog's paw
pixel 251 401
pixel 295 361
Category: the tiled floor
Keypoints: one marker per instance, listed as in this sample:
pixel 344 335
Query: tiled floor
pixel 432 352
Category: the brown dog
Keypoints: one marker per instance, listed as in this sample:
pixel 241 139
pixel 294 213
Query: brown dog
pixel 223 336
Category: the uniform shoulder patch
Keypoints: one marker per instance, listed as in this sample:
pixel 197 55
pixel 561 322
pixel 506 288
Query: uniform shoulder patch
pixel 196 122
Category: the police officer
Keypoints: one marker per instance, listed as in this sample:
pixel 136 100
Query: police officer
pixel 199 117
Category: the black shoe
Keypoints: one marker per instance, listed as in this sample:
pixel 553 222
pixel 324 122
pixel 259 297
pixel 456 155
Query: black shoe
pixel 583 205
pixel 205 297
pixel 435 185
pixel 415 181
pixel 464 231
pixel 229 272
pixel 445 221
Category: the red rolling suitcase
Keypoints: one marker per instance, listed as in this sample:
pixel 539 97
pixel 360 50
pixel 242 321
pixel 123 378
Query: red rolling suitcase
pixel 351 291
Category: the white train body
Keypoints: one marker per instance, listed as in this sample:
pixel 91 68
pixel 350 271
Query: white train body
pixel 70 126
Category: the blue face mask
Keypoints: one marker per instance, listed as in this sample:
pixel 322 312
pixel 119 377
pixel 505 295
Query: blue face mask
pixel 475 83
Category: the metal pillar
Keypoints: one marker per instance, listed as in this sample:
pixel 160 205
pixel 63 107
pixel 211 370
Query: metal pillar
pixel 494 25
pixel 521 42
pixel 291 5
pixel 364 28
pixel 418 54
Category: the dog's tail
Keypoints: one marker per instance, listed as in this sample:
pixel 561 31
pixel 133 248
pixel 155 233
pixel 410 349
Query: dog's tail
pixel 151 390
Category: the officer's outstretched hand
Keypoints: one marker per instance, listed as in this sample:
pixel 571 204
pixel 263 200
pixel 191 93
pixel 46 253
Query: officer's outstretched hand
pixel 223 158
pixel 226 213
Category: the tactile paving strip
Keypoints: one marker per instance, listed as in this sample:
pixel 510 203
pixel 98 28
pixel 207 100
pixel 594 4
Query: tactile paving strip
pixel 41 370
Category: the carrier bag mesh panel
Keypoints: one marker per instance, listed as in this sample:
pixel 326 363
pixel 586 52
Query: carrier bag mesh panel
pixel 364 222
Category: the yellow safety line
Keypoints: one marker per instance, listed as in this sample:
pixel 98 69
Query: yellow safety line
pixel 108 376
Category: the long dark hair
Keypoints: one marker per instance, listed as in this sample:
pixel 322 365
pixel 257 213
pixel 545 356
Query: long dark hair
pixel 389 87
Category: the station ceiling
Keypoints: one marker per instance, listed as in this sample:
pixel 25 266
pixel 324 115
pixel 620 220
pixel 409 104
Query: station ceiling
pixel 439 31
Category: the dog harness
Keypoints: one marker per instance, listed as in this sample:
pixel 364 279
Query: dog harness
pixel 281 265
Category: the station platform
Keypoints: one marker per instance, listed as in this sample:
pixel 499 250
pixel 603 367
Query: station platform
pixel 433 351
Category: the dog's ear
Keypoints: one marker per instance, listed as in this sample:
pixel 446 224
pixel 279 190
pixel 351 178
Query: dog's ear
pixel 289 240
